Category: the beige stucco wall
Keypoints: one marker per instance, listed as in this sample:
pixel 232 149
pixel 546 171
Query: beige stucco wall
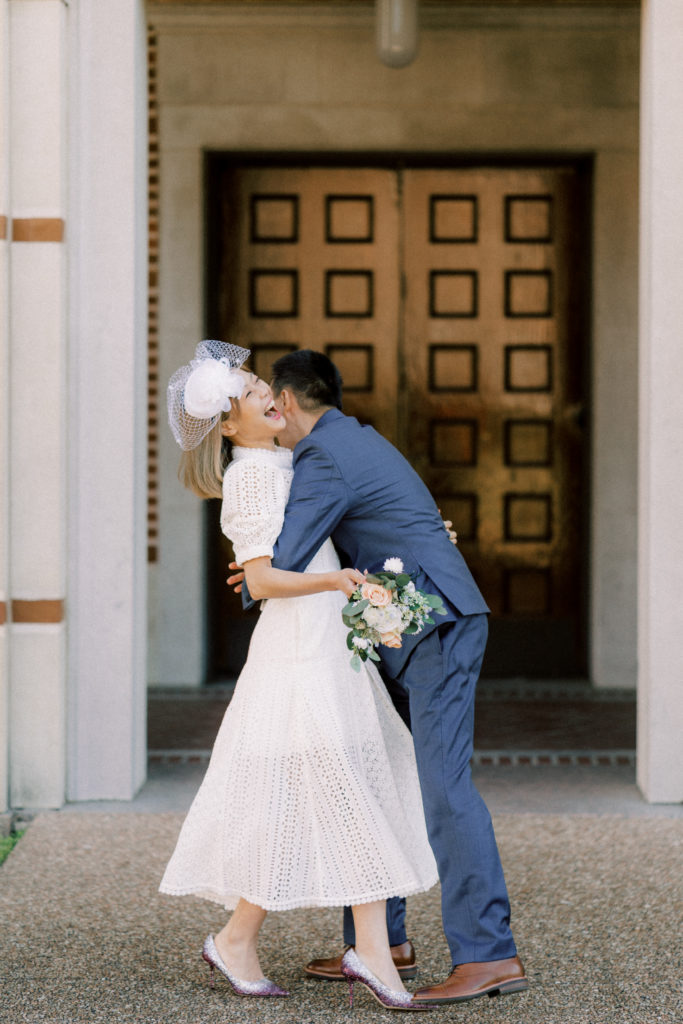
pixel 486 80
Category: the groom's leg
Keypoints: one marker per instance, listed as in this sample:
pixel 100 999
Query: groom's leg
pixel 396 923
pixel 441 677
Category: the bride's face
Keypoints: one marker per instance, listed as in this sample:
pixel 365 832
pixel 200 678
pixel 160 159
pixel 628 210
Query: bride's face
pixel 254 420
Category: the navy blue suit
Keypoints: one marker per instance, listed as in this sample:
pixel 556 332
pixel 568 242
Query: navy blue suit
pixel 353 485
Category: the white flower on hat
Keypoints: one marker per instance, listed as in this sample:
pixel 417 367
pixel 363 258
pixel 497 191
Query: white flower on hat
pixel 210 387
pixel 393 565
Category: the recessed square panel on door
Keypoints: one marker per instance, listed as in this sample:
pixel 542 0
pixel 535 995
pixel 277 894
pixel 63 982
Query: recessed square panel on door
pixel 494 350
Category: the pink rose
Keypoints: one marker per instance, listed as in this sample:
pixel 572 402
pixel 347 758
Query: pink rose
pixel 391 639
pixel 377 595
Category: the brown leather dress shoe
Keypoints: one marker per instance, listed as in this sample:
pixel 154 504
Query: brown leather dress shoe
pixel 469 981
pixel 330 969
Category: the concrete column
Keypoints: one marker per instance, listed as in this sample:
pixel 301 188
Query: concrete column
pixel 614 427
pixel 4 402
pixel 107 404
pixel 660 537
pixel 37 436
pixel 179 577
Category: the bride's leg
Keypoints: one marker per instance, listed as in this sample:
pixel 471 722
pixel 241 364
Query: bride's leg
pixel 236 943
pixel 372 942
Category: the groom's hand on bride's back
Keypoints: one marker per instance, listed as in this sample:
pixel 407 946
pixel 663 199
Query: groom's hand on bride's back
pixel 235 581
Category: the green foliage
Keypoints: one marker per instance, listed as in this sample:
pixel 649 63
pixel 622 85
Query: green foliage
pixel 7 844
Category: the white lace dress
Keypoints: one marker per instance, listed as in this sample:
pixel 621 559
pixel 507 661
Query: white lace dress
pixel 311 797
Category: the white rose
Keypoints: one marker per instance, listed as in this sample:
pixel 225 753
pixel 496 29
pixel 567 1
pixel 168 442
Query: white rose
pixel 384 620
pixel 360 641
pixel 209 388
pixel 393 565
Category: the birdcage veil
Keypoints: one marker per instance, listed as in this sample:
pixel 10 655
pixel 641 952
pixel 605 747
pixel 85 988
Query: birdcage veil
pixel 199 392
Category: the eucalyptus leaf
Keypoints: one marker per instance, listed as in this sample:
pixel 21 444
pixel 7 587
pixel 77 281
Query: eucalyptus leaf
pixel 355 663
pixel 403 579
pixel 372 653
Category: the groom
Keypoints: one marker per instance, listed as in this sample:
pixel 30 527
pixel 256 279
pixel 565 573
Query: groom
pixel 351 484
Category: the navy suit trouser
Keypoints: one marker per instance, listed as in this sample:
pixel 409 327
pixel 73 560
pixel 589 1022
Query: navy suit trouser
pixel 440 678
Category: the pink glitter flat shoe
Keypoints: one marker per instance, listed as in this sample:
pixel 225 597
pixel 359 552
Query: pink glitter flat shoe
pixel 354 970
pixel 262 987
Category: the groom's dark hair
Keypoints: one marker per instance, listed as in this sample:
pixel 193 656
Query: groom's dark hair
pixel 313 378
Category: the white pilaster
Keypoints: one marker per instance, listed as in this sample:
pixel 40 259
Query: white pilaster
pixel 108 253
pixel 37 437
pixel 660 537
pixel 4 401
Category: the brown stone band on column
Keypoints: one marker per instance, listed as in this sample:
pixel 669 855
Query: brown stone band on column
pixel 3 228
pixel 37 611
pixel 37 229
pixel 3 613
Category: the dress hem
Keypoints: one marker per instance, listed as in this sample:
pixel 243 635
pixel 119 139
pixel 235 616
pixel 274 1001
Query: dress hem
pixel 229 901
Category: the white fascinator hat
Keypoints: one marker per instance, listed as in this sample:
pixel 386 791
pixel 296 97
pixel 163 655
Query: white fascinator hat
pixel 201 391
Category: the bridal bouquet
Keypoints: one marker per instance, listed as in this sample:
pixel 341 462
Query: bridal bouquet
pixel 385 607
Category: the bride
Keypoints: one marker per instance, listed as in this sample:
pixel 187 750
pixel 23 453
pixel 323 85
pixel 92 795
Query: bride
pixel 311 797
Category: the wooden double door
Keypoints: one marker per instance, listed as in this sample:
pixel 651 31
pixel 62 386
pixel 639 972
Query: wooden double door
pixel 453 301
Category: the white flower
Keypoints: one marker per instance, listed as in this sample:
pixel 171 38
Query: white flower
pixel 209 388
pixel 393 565
pixel 360 641
pixel 384 619
pixel 409 588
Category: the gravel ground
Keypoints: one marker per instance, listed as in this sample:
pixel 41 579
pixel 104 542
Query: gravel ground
pixel 86 939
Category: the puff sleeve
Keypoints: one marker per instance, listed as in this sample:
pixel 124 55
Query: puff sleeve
pixel 254 499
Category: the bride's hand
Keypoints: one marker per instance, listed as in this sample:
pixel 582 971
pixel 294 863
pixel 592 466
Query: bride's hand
pixel 236 580
pixel 348 580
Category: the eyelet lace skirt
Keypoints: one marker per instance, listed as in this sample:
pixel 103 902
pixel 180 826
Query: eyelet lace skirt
pixel 311 797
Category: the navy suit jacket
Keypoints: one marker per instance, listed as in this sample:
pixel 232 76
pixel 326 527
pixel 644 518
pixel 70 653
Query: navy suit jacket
pixel 351 484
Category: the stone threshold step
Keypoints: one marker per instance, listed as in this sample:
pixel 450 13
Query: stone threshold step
pixel 483 758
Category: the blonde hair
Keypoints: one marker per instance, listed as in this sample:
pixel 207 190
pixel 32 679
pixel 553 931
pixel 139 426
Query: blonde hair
pixel 201 469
